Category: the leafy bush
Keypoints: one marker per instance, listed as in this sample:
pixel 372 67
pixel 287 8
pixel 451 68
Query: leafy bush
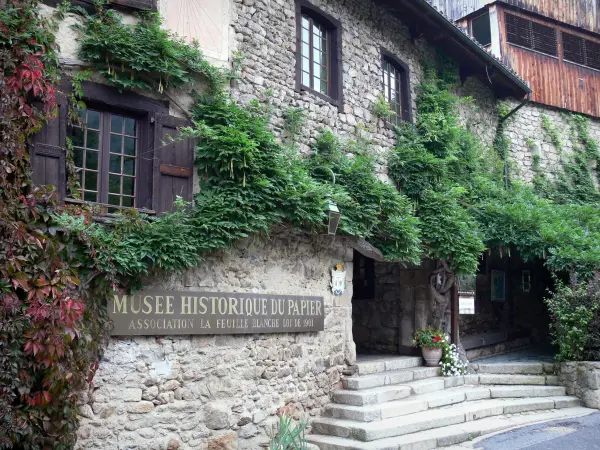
pixel 144 56
pixel 290 435
pixel 575 324
pixel 430 337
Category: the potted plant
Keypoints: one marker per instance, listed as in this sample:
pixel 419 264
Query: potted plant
pixel 432 342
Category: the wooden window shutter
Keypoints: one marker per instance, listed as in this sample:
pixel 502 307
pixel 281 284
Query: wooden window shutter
pixel 592 54
pixel 544 39
pixel 529 34
pixel 518 31
pixel 47 153
pixel 173 164
pixel 573 48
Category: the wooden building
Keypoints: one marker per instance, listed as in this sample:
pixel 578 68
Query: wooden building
pixel 552 45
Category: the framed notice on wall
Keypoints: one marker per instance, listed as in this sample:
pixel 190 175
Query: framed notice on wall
pixel 498 287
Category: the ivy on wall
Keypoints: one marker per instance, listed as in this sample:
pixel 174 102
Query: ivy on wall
pixel 57 266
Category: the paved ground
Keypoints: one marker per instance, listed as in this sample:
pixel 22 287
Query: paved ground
pixel 529 354
pixel 580 433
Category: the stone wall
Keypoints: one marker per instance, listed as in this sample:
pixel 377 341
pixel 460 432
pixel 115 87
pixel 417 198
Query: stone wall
pixel 583 380
pixel 527 137
pixel 221 392
pixel 265 32
pixel 401 304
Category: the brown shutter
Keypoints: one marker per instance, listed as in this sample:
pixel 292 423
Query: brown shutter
pixel 47 151
pixel 173 164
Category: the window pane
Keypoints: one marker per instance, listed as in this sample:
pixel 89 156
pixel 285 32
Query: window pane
pixel 91 160
pixel 116 141
pixel 115 164
pixel 81 114
pixel 323 73
pixel 93 120
pixel 78 157
pixel 91 181
pixel 316 83
pixel 93 139
pixel 128 201
pixel 317 41
pixel 130 127
pixel 305 50
pixel 324 86
pixel 481 29
pixel 90 196
pixel 77 137
pixel 129 166
pixel 116 124
pixel 316 69
pixel 305 22
pixel 129 146
pixel 306 79
pixel 114 200
pixel 323 58
pixel 114 184
pixel 305 64
pixel 128 184
pixel 305 36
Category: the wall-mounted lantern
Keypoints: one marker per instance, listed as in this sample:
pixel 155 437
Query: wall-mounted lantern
pixel 333 213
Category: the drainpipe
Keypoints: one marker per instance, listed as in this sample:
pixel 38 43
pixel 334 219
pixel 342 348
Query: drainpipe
pixel 526 100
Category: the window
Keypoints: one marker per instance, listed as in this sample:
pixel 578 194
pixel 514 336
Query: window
pixel 581 51
pixel 395 87
pixel 480 29
pixel 532 35
pixel 105 149
pixel 318 67
pixel 315 56
pixel 121 150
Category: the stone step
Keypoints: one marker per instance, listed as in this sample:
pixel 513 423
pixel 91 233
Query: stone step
pixel 366 365
pixel 486 378
pixel 526 391
pixel 382 394
pixel 390 377
pixel 530 368
pixel 406 406
pixel 426 420
pixel 447 435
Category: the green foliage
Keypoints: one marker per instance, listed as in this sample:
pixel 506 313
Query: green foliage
pixel 575 325
pixel 370 207
pixel 293 120
pixel 552 133
pixel 290 435
pixel 144 55
pixel 382 108
pixel 430 337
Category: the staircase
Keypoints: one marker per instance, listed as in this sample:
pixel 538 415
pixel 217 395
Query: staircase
pixel 395 403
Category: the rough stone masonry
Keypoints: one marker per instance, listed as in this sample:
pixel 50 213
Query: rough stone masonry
pixel 221 392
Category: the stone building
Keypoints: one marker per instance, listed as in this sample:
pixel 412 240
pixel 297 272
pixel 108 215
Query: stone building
pixel 555 49
pixel 221 391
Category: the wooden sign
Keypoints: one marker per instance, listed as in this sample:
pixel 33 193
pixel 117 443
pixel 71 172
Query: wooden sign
pixel 170 312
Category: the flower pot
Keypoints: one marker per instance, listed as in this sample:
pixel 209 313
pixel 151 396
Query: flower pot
pixel 432 356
